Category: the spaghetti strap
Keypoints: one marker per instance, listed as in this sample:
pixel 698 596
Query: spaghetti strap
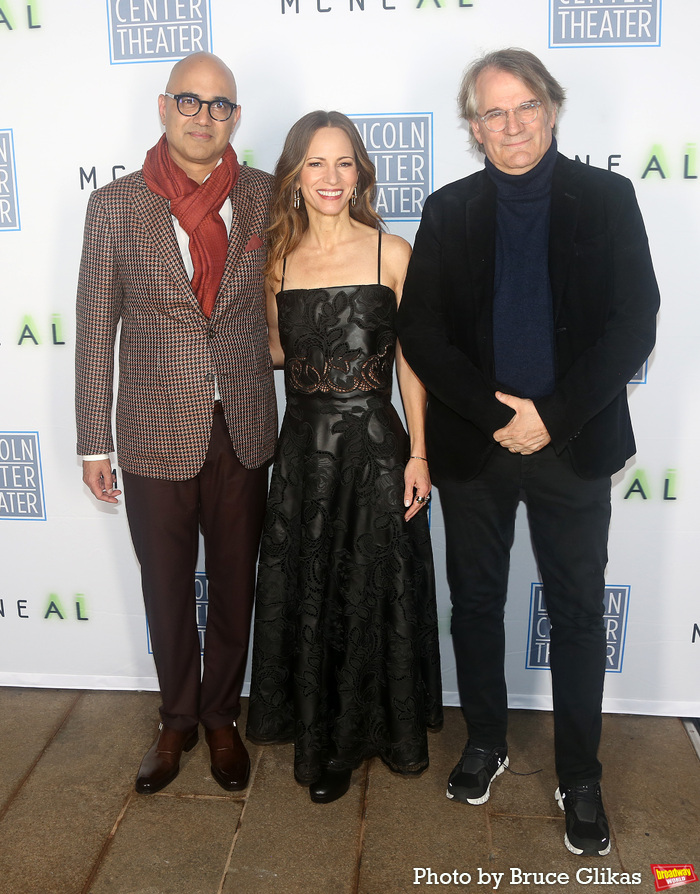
pixel 379 258
pixel 284 270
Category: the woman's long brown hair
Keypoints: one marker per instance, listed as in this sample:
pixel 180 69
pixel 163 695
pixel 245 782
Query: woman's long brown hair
pixel 287 223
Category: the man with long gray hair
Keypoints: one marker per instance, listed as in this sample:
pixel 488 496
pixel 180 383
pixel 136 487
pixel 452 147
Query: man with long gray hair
pixel 530 302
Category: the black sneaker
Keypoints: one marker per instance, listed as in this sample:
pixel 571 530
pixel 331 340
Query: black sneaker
pixel 470 781
pixel 587 829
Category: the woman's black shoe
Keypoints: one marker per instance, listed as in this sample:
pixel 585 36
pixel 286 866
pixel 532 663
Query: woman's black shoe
pixel 331 785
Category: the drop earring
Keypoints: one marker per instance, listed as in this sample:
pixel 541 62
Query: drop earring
pixel 353 197
pixel 297 198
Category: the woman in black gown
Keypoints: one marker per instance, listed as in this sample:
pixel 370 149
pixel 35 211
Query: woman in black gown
pixel 345 654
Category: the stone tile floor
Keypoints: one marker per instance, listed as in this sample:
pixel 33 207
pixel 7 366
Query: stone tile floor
pixel 70 822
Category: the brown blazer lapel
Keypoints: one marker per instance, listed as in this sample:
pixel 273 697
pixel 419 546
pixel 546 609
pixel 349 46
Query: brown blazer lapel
pixel 238 237
pixel 157 220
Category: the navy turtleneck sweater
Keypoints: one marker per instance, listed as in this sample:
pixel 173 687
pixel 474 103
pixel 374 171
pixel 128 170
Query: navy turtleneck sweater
pixel 523 323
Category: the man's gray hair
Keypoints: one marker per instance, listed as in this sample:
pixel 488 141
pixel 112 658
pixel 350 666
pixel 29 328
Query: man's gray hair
pixel 521 64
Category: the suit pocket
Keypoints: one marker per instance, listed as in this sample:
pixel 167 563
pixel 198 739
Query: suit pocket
pixel 144 419
pixel 140 355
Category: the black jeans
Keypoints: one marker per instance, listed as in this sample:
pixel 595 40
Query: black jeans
pixel 569 519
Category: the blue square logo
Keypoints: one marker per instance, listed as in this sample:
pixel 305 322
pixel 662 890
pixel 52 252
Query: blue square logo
pixel 616 604
pixel 640 377
pixel 401 149
pixel 201 592
pixel 157 30
pixel 21 480
pixel 9 206
pixel 605 23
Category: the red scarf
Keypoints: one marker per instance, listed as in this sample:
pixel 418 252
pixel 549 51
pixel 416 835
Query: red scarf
pixel 196 206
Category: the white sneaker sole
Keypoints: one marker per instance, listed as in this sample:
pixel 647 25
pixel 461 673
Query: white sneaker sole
pixel 487 794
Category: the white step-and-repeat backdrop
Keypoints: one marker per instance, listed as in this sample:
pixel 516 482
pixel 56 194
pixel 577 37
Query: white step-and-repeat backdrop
pixel 80 82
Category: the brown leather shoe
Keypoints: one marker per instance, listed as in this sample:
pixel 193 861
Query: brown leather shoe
pixel 161 763
pixel 230 764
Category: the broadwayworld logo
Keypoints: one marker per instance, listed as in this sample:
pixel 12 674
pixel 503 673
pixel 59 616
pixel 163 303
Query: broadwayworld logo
pixel 670 875
pixel 605 23
pixel 9 207
pixel 616 604
pixel 401 148
pixel 157 30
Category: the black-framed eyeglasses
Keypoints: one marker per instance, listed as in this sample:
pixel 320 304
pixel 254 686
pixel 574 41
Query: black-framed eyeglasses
pixel 525 113
pixel 189 106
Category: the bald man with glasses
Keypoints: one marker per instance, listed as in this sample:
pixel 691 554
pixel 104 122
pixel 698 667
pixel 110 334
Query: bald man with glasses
pixel 174 252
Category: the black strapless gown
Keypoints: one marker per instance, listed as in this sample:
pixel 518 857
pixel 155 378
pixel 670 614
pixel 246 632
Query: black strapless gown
pixel 345 653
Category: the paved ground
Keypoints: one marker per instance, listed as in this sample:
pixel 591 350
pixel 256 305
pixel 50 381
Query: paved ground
pixel 70 822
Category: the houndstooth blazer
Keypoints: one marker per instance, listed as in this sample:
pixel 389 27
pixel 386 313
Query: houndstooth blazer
pixel 132 271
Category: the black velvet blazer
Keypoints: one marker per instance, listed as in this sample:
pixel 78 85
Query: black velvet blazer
pixel 605 299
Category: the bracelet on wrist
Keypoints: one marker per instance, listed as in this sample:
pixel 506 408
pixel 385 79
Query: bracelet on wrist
pixel 418 457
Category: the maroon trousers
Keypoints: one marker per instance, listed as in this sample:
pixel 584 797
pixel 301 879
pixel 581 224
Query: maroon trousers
pixel 228 502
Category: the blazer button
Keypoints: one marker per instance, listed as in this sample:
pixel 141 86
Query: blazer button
pixel 211 333
pixel 209 377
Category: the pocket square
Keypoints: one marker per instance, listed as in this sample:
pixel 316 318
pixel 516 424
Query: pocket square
pixel 253 243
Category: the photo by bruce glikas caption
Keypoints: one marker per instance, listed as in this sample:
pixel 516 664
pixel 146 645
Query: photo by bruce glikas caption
pixel 586 875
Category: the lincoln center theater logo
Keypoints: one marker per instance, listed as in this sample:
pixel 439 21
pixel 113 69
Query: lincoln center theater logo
pixel 201 590
pixel 401 147
pixel 9 209
pixel 157 30
pixel 604 23
pixel 640 377
pixel 616 602
pixel 21 483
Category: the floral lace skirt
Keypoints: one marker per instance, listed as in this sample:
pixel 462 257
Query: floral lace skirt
pixel 345 652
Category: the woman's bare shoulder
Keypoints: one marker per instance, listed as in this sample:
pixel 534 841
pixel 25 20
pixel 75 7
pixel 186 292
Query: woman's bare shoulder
pixel 396 253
